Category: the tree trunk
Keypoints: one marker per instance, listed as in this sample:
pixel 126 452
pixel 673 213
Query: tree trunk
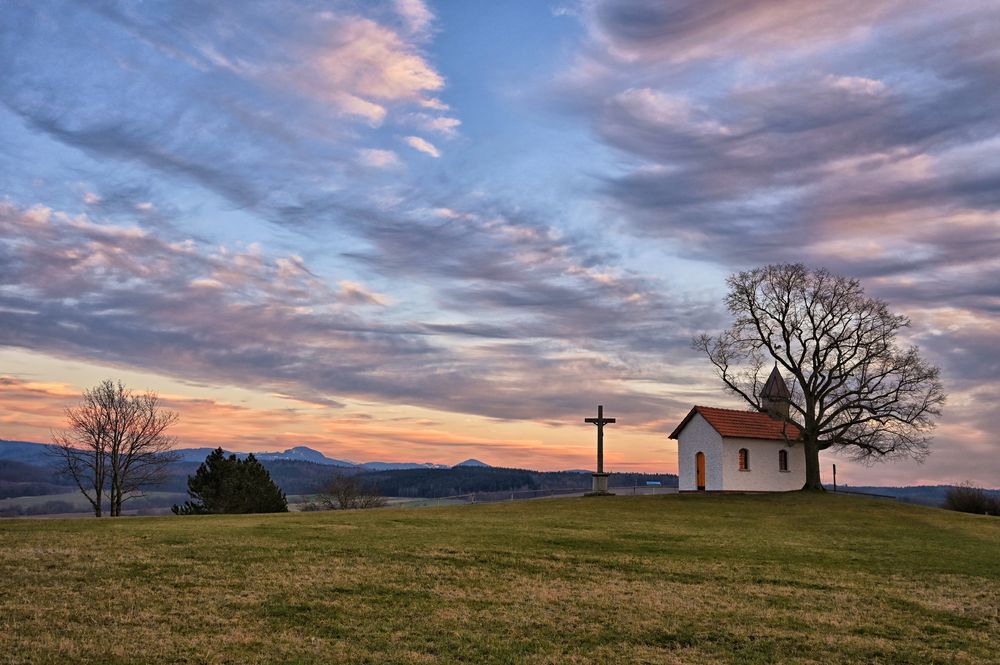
pixel 813 481
pixel 96 503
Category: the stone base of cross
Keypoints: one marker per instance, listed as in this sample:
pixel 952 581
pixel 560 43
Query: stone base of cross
pixel 600 487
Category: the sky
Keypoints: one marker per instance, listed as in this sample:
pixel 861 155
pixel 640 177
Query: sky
pixel 432 231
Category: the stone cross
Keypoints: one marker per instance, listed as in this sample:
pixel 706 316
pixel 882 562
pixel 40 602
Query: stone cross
pixel 600 478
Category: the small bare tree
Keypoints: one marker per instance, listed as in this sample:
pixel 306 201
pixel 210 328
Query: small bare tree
pixel 115 443
pixel 853 387
pixel 343 492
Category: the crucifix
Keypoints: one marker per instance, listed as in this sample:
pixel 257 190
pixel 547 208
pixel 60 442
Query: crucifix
pixel 600 478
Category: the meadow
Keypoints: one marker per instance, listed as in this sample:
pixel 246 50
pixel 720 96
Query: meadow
pixel 656 579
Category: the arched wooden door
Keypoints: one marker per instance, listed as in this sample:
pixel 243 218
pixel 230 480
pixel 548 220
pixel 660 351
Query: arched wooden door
pixel 700 461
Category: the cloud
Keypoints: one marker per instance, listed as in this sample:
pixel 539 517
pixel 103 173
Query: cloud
pixel 422 145
pixel 72 286
pixel 254 107
pixel 362 108
pixel 364 60
pixel 357 294
pixel 440 124
pixel 415 14
pixel 377 158
pixel 685 30
pixel 240 120
pixel 873 159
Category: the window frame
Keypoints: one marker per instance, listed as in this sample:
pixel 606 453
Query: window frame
pixel 743 459
pixel 783 461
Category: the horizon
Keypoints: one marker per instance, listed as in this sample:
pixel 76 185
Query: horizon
pixel 376 230
pixel 444 466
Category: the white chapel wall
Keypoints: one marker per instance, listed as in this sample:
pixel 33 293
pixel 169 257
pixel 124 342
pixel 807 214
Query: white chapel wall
pixel 764 474
pixel 697 436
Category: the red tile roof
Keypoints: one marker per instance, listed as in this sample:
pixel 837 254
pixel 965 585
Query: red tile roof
pixel 741 424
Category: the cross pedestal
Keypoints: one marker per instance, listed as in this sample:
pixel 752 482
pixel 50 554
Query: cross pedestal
pixel 600 486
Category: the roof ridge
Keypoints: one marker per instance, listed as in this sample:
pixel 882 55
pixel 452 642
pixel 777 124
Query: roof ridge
pixel 722 408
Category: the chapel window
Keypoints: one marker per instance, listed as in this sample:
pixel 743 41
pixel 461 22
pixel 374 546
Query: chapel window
pixel 744 459
pixel 782 460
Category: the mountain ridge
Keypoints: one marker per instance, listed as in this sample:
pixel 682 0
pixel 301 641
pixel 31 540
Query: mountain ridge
pixel 31 452
pixel 472 461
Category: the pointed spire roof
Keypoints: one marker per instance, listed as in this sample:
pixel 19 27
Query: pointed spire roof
pixel 775 388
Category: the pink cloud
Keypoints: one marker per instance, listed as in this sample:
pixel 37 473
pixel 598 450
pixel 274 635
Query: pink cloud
pixel 422 145
pixel 363 60
pixel 415 14
pixel 378 159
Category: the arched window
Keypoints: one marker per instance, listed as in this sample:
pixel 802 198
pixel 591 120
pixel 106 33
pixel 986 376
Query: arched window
pixel 782 460
pixel 744 459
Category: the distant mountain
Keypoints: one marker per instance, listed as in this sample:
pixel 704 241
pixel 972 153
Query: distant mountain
pixel 25 452
pixel 193 454
pixel 298 453
pixel 304 454
pixel 473 462
pixel 34 453
pixel 399 466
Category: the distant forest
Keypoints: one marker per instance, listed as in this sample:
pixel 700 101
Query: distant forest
pixel 433 483
pixel 45 492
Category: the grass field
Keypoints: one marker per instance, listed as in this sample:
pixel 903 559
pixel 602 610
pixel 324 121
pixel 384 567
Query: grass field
pixel 663 579
pixel 79 502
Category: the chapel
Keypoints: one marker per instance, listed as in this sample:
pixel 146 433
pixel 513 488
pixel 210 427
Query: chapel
pixel 725 450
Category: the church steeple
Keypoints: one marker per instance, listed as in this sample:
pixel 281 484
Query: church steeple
pixel 775 396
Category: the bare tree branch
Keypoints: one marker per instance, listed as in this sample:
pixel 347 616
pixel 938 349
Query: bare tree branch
pixel 343 492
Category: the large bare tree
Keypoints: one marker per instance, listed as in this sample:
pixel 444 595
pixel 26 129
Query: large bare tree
pixel 854 387
pixel 115 443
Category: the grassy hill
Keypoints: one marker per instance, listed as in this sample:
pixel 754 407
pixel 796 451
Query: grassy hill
pixel 664 579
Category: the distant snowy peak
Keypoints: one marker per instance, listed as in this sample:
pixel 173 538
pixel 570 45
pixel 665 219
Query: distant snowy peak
pixel 473 462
